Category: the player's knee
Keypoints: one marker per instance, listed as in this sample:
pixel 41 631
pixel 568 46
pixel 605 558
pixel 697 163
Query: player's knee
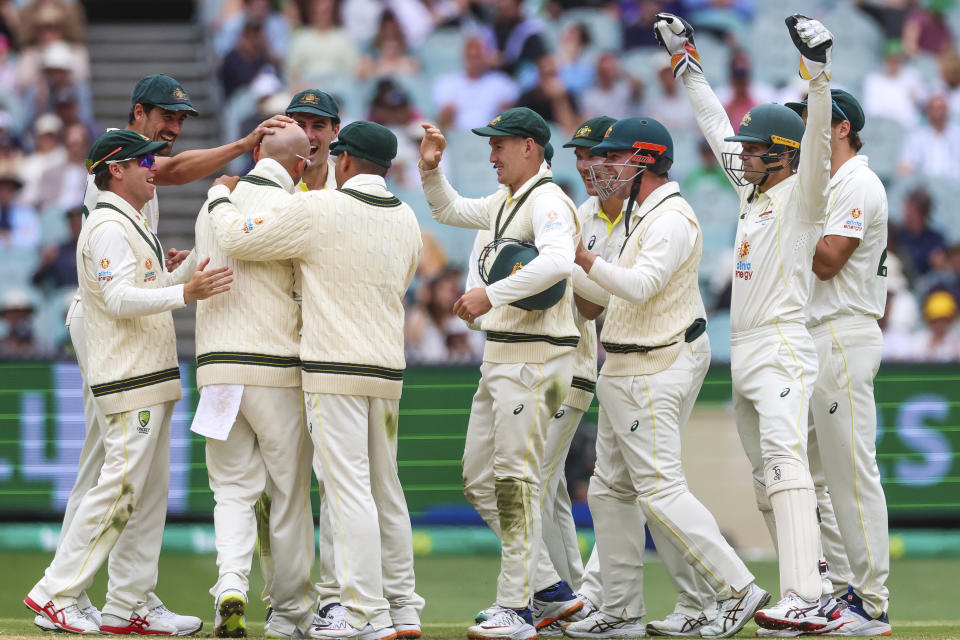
pixel 783 473
pixel 763 501
pixel 600 490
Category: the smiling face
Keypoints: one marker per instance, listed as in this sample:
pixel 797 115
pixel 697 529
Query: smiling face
pixel 160 124
pixel 320 130
pixel 508 155
pixel 134 182
pixel 585 160
pixel 614 172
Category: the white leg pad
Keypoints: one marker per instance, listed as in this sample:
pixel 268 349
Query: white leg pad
pixel 766 510
pixel 794 502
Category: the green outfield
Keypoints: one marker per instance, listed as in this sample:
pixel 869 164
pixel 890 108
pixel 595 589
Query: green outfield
pixel 925 593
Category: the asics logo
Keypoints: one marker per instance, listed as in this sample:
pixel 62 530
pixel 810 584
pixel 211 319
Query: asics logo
pixel 785 392
pixel 518 410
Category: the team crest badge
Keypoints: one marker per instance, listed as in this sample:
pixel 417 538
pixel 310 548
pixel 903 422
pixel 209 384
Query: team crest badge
pixel 609 131
pixel 746 119
pixel 856 213
pixel 310 98
pixel 516 268
pixel 179 94
pixel 496 121
pixel 144 418
pixel 104 263
pixel 148 264
pixel 583 132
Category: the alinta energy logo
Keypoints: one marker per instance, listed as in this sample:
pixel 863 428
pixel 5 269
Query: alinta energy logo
pixel 744 269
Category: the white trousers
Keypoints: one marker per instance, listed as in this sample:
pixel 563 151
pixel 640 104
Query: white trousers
pixel 837 576
pixel 123 565
pixel 355 446
pixel 638 460
pixel 502 461
pixel 266 457
pixel 774 369
pixel 133 481
pixel 845 418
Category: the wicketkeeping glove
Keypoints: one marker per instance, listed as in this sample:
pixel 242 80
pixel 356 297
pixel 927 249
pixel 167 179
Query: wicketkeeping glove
pixel 814 42
pixel 676 36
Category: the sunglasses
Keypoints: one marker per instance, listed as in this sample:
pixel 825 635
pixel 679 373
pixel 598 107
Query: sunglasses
pixel 146 161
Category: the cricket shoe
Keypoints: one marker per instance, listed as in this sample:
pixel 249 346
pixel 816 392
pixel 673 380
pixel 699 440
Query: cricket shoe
pixel 677 624
pixel 44 623
pixel 185 625
pixel 554 603
pixel 506 623
pixel 273 630
pixel 229 619
pixel 336 628
pixel 795 613
pixel 601 625
pixel 857 622
pixel 778 633
pixel 411 631
pixel 583 612
pixel 69 618
pixel 135 626
pixel 486 614
pixel 552 630
pixel 733 613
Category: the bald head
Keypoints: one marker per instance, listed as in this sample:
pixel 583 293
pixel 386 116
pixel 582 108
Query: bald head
pixel 284 145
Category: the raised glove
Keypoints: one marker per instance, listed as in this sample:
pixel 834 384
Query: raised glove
pixel 676 36
pixel 814 42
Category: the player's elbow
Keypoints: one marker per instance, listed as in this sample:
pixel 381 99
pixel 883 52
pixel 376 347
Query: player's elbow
pixel 824 271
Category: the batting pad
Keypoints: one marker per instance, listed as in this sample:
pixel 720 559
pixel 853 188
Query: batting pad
pixel 790 489
pixel 766 509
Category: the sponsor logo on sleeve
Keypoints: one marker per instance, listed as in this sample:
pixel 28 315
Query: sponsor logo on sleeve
pixel 854 222
pixel 105 273
pixel 250 223
pixel 150 274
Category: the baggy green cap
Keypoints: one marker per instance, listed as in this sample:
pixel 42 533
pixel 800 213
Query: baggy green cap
pixel 548 153
pixel 845 107
pixel 520 122
pixel 367 140
pixel 639 134
pixel 316 102
pixel 162 91
pixel 590 132
pixel 118 145
pixel 770 123
pixel 513 256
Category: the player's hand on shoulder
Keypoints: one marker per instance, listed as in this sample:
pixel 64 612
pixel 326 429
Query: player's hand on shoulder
pixel 207 282
pixel 814 41
pixel 431 147
pixel 230 182
pixel 676 36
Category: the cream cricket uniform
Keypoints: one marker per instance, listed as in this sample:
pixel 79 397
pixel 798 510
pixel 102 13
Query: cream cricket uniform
pixel 361 239
pixel 526 371
pixel 133 375
pixel 657 358
pixel 773 360
pixel 249 337
pixel 843 313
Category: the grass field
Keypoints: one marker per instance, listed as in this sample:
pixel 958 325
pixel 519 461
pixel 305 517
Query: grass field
pixel 925 593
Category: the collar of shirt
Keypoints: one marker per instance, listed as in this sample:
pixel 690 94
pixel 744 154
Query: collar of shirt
pixel 656 197
pixel 111 198
pixel 598 212
pixel 847 168
pixel 780 186
pixel 272 170
pixel 367 183
pixel 526 186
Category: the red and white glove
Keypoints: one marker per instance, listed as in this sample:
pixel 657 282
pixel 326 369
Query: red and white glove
pixel 676 36
pixel 814 41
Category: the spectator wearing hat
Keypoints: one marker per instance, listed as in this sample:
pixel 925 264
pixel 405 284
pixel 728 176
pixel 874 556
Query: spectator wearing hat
pixel 49 22
pixel 18 341
pixel 57 77
pixel 249 57
pixel 68 106
pixel 19 224
pixel 475 94
pixel 938 340
pixel 48 151
pixel 933 150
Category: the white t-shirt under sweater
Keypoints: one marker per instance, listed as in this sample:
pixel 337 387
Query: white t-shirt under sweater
pixel 358 249
pixel 777 230
pixel 250 334
pixel 858 209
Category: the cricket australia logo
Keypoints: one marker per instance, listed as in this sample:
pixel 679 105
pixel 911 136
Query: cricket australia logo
pixel 180 94
pixel 143 418
pixel 746 119
pixel 744 269
pixel 310 98
pixel 495 121
pixel 516 268
pixel 583 132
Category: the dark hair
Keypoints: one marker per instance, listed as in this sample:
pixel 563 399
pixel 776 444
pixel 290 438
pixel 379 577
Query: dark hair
pixel 853 137
pixel 147 108
pixel 101 177
pixel 922 199
pixel 366 166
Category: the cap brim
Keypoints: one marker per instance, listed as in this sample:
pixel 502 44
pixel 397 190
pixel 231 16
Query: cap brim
pixel 489 132
pixel 798 107
pixel 580 142
pixel 603 147
pixel 314 111
pixel 177 106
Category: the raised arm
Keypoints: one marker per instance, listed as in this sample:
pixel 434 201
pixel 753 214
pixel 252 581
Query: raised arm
pixel 446 205
pixel 814 42
pixel 276 232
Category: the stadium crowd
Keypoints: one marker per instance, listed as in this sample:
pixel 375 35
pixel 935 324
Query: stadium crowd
pixel 459 63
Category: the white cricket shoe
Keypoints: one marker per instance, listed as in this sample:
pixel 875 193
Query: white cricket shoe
pixel 505 623
pixel 69 618
pixel 677 624
pixel 411 631
pixel 554 603
pixel 272 630
pixel 795 613
pixel 185 625
pixel 486 614
pixel 778 633
pixel 859 623
pixel 735 612
pixel 229 618
pixel 334 625
pixel 135 626
pixel 44 623
pixel 552 630
pixel 583 612
pixel 601 625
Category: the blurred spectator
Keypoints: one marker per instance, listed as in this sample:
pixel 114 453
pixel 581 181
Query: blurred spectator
pixel 45 22
pixel 58 265
pixel 933 150
pixel 19 225
pixel 950 81
pixel 890 15
pixel 670 105
pixel 550 98
pixel 57 77
pixel 576 70
pixel 637 19
pixel 901 313
pixel 234 16
pixel 434 335
pixel 10 154
pixel 614 92
pixel 268 95
pixel 938 341
pixel 321 46
pixel 48 151
pixel 895 91
pixel 18 342
pixel 9 23
pixel 68 108
pixel 724 18
pixel 706 175
pixel 944 274
pixel 926 29
pixel 474 96
pixel 362 18
pixel 8 70
pixel 65 184
pixel 391 107
pixel 248 58
pixel 519 38
pixel 389 52
pixel 742 94
pixel 915 240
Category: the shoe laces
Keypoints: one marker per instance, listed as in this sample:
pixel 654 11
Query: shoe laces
pixel 505 617
pixel 161 611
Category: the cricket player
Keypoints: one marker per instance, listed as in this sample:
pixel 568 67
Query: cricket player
pixel 364 240
pixel 159 108
pixel 657 357
pixel 849 296
pixel 527 366
pixel 133 375
pixel 248 364
pixel 781 173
